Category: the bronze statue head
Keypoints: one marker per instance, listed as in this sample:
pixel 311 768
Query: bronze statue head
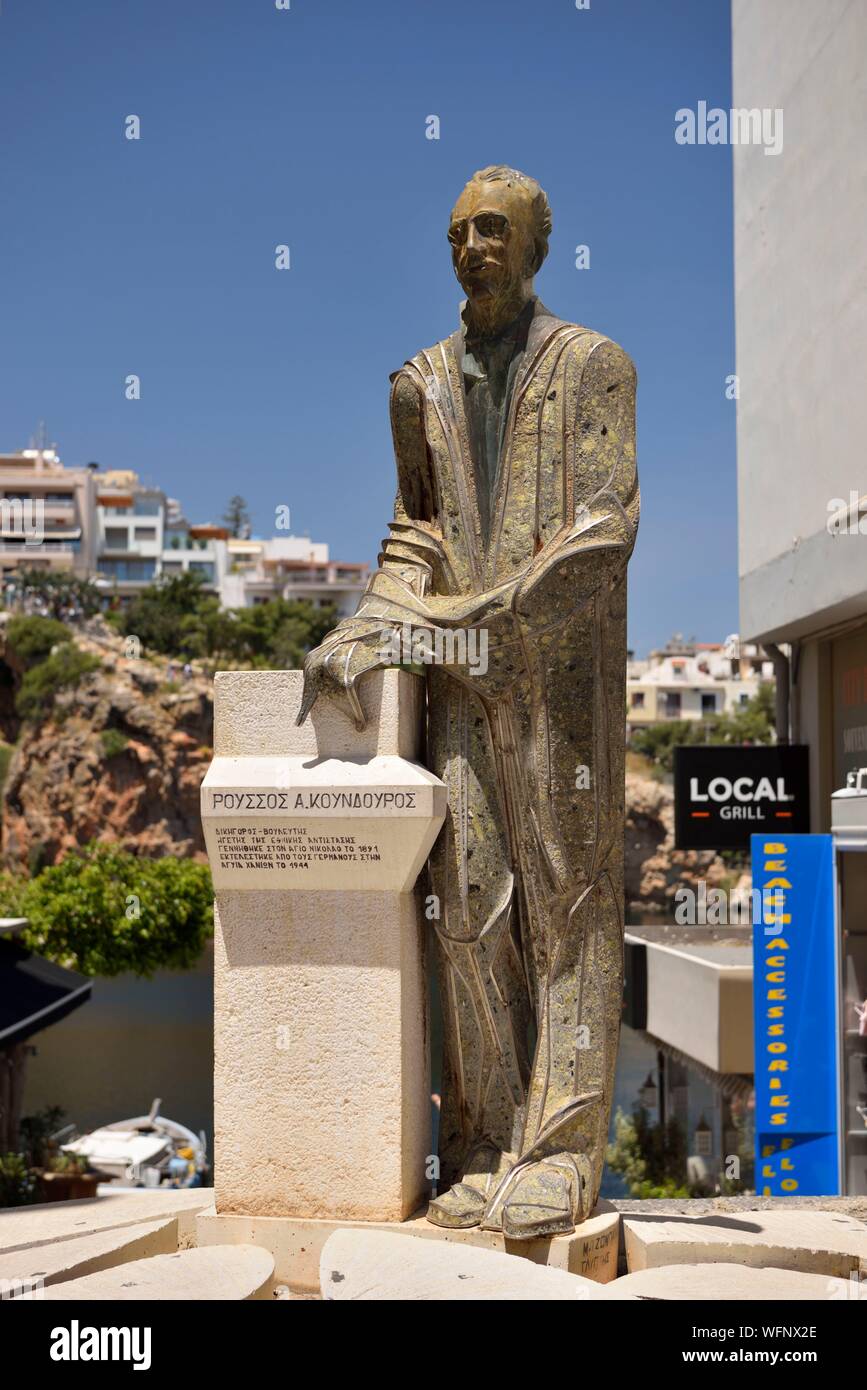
pixel 499 233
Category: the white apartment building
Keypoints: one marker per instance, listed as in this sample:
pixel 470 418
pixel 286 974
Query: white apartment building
pixel 142 535
pixel 290 567
pixel 693 680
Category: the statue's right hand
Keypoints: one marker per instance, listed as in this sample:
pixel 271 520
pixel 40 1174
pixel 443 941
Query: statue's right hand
pixel 327 672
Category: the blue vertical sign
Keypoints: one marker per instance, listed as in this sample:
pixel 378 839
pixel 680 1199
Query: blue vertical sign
pixel 795 1011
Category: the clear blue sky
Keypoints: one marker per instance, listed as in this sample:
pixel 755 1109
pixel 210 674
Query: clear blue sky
pixel 307 127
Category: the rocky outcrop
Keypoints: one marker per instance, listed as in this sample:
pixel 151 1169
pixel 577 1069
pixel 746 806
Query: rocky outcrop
pixel 121 760
pixel 654 868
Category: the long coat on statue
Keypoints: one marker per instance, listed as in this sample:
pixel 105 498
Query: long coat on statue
pixel 527 872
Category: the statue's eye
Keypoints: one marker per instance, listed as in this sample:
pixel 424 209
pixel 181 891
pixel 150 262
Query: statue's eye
pixel 457 233
pixel 489 224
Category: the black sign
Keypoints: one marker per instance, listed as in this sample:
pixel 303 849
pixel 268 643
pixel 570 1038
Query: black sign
pixel 725 794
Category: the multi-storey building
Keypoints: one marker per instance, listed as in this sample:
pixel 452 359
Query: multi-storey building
pixel 290 567
pixel 693 680
pixel 130 523
pixel 47 514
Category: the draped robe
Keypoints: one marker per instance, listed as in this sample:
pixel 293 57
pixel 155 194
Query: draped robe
pixel 527 872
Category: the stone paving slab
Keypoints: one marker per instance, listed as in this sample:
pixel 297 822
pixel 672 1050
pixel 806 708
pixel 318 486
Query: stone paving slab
pixel 42 1265
pixel 815 1242
pixel 236 1273
pixel 23 1228
pixel 713 1283
pixel 379 1266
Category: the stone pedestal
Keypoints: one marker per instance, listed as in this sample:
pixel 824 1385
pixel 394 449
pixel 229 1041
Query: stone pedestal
pixel 315 836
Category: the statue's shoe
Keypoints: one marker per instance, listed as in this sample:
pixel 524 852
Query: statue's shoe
pixel 539 1204
pixel 459 1208
pixel 541 1198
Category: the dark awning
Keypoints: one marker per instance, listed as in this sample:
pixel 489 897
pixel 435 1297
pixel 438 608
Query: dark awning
pixel 34 993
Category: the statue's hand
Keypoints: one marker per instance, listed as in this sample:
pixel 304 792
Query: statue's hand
pixel 326 673
pixel 334 669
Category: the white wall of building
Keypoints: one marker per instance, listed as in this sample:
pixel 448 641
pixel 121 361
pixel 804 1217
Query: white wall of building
pixel 801 312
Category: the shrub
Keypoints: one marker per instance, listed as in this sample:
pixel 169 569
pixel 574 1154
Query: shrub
pixel 31 639
pixel 65 669
pixel 113 742
pixel 35 1133
pixel 6 752
pixel 104 911
pixel 17 1183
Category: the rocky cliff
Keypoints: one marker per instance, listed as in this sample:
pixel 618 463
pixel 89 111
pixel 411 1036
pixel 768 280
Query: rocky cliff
pixel 121 759
pixel 654 868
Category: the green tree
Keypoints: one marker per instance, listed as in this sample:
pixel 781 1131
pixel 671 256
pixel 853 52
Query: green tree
pixel 651 1158
pixel 103 911
pixel 237 517
pixel 63 670
pixel 172 616
pixel 178 617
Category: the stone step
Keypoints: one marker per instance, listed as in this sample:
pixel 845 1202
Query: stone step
pixel 42 1265
pixel 814 1242
pixel 222 1272
pixel 25 1228
pixel 731 1283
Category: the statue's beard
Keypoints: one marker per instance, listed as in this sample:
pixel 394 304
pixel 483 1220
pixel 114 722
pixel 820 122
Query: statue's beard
pixel 496 306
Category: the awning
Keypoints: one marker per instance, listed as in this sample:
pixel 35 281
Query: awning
pixel 34 993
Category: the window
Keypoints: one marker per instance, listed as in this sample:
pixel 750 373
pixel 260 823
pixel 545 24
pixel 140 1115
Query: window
pixel 116 538
pixel 146 506
pixel 638 699
pixel 204 568
pixel 130 571
pixel 708 704
pixel 145 533
pixel 672 704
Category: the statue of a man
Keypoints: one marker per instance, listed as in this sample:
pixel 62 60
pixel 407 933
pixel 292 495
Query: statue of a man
pixel 516 513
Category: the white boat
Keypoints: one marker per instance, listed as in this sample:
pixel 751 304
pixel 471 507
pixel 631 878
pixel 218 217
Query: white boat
pixel 146 1151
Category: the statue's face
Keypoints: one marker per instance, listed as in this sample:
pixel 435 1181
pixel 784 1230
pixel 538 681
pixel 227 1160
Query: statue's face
pixel 491 234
